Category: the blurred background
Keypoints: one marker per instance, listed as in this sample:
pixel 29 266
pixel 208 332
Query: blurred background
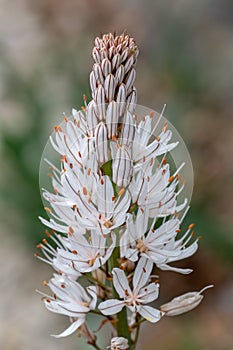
pixel 186 61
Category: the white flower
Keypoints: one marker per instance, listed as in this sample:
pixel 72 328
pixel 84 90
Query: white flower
pixel 158 245
pixel 119 343
pixel 183 303
pixel 154 188
pixel 99 210
pixel 70 299
pixel 87 255
pixel 143 149
pixel 135 300
pixel 52 258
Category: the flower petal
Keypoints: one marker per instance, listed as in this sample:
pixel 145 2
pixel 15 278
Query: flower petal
pixel 150 314
pixel 121 283
pixel 111 306
pixel 71 329
pixel 142 273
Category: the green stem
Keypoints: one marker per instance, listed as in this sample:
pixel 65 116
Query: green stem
pixel 122 321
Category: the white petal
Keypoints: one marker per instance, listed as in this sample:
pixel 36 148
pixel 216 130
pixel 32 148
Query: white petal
pixel 149 293
pixel 120 282
pixel 111 307
pixel 142 273
pixel 71 329
pixel 150 314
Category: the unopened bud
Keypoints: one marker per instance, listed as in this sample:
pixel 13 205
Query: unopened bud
pixel 119 343
pixel 101 143
pixel 183 303
pixel 122 167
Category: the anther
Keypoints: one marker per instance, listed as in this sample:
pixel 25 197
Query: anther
pixel 48 209
pixel 171 178
pixel 191 226
pixel 121 192
pixel 47 233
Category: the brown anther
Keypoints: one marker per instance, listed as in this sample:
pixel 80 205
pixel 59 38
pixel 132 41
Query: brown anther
pixel 71 231
pixel 55 296
pixel 156 281
pixel 191 226
pixel 192 234
pixel 151 114
pixel 78 124
pixel 85 304
pixel 48 209
pixel 99 216
pixel 178 231
pixel 141 246
pixel 144 159
pixel 152 230
pixel 89 200
pixel 121 192
pixel 63 285
pixel 56 191
pixel 84 98
pixel 48 300
pixel 71 166
pixel 84 109
pixel 47 233
pixel 91 262
pixel 65 119
pixel 163 171
pixel 165 127
pixel 44 283
pixel 164 161
pixel 88 171
pixel 199 237
pixel 84 191
pixel 114 138
pixel 79 154
pixel 158 138
pixel 53 231
pixel 151 161
pixel 171 178
pixel 44 241
pixel 102 181
pixel 144 270
pixel 59 272
pixel 108 224
pixel 36 255
pixel 57 128
pixel 113 198
pixel 75 252
pixel 74 206
pixel 126 293
pixel 39 246
pixel 160 205
pixel 142 210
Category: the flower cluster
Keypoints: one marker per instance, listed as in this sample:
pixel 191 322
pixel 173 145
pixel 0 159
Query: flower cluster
pixel 114 213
